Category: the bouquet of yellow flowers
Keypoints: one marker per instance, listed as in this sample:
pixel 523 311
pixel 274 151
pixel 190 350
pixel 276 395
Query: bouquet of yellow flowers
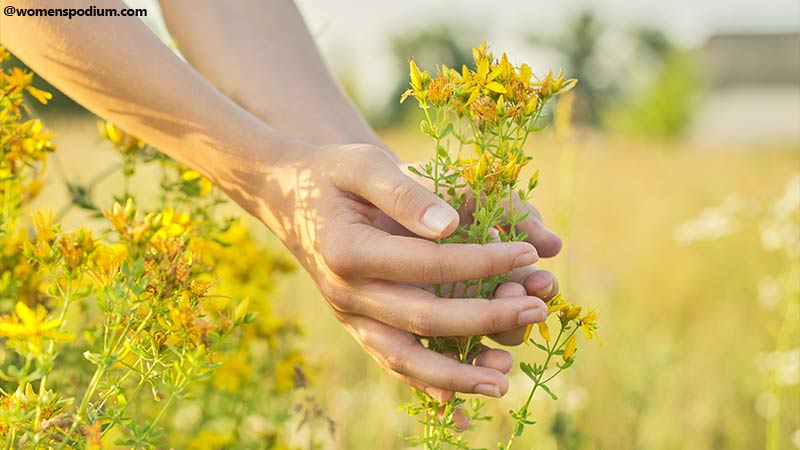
pixel 480 119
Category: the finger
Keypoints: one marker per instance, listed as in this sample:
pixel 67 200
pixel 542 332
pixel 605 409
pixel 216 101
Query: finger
pixel 513 336
pixel 494 358
pixel 547 243
pixel 375 177
pixel 440 395
pixel 366 252
pixel 541 283
pixel 460 419
pixel 418 311
pixel 400 352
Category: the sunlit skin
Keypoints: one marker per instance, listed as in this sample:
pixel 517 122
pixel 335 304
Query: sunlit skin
pixel 278 136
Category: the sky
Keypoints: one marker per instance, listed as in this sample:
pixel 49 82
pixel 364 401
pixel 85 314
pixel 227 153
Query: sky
pixel 355 35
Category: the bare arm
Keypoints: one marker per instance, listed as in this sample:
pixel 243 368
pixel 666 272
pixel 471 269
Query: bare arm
pixel 321 202
pixel 119 70
pixel 260 53
pixel 236 44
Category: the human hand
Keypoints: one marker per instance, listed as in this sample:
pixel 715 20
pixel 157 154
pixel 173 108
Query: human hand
pixel 324 202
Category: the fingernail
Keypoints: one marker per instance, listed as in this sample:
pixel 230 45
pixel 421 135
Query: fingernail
pixel 488 389
pixel 437 218
pixel 530 316
pixel 526 259
pixel 546 291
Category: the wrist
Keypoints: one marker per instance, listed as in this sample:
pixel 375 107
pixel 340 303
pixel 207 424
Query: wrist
pixel 245 162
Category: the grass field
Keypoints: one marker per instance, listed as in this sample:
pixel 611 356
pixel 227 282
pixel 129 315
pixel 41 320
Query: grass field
pixel 681 324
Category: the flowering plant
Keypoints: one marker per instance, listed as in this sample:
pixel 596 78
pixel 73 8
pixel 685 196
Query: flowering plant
pixel 480 119
pixel 143 333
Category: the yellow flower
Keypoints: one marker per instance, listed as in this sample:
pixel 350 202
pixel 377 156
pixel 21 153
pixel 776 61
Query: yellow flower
pixel 43 224
pixel 485 109
pixel 76 248
pixel 479 53
pixel 210 440
pixel 27 322
pixel 527 335
pixel 193 175
pixel 418 81
pixel 589 324
pixel 554 85
pixel 17 79
pixel 569 351
pixel 234 371
pixel 38 94
pixel 28 327
pixel 123 141
pixel 557 303
pixel 531 104
pixel 106 263
pixel 440 90
pixel 416 75
pixel 544 331
pixel 285 371
pixel 570 313
pixel 190 175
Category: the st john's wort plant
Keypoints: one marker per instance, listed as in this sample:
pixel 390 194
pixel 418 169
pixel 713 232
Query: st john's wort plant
pixel 480 119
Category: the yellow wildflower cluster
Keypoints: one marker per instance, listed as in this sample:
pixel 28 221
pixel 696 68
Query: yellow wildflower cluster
pixel 24 401
pixel 27 329
pixel 489 110
pixel 494 90
pixel 122 141
pixel 501 104
pixel 24 142
pixel 156 305
pixel 568 314
pixel 133 150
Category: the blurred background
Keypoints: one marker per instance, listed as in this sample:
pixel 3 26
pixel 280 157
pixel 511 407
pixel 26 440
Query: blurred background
pixel 677 192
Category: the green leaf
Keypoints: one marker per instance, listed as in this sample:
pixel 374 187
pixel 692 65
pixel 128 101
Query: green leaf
pixel 527 369
pixel 547 389
pixel 425 127
pixel 538 345
pixel 447 130
pixel 417 172
pixel 533 128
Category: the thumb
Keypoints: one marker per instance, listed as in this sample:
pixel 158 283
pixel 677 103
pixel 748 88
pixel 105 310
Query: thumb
pixel 412 205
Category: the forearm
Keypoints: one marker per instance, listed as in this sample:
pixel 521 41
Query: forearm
pixel 119 70
pixel 261 55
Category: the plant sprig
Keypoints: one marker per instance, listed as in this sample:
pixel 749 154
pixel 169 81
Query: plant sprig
pixel 488 112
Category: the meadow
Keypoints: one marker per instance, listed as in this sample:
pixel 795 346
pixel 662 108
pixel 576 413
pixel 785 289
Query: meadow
pixel 681 322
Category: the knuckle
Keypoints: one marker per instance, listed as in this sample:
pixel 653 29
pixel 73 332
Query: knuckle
pixel 395 363
pixel 422 324
pixel 404 196
pixel 339 260
pixel 433 270
pixel 362 157
pixel 356 160
pixel 340 297
pixel 497 263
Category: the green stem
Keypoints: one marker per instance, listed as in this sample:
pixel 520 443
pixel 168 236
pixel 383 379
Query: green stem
pixel 133 395
pixel 51 348
pixel 538 381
